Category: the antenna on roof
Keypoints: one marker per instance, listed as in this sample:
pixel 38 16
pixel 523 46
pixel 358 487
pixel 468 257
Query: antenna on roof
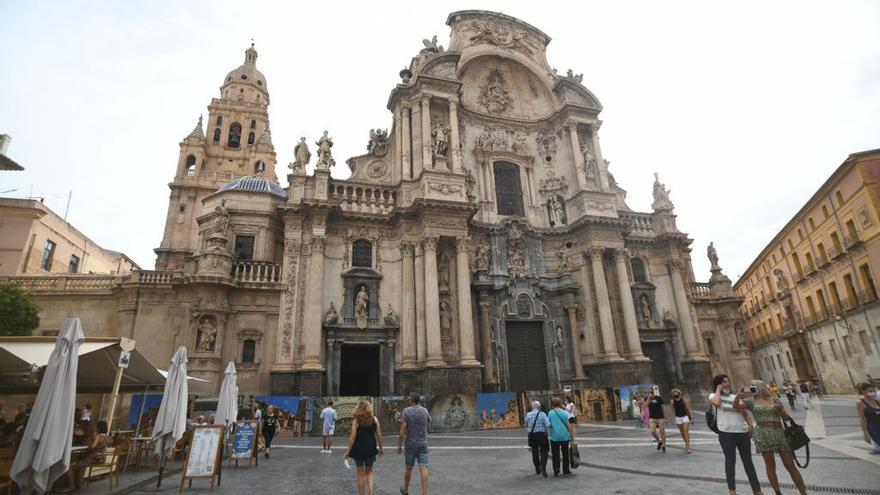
pixel 67 208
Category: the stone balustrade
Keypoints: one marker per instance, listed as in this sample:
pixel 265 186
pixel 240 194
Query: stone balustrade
pixel 363 198
pixel 640 223
pixel 65 282
pixel 256 272
pixel 701 290
pixel 152 276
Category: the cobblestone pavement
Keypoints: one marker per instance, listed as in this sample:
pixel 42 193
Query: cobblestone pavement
pixel 619 459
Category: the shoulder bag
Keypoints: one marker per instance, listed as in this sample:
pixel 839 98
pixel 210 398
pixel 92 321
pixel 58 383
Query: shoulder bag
pixel 712 418
pixel 797 439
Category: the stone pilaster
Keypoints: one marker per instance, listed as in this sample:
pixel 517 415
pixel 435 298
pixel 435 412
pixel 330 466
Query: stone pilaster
pixel 571 311
pixel 427 158
pixel 606 322
pixel 432 304
pixel 486 343
pixel 415 128
pixel 621 258
pixel 405 152
pixel 286 343
pixel 407 308
pixel 454 138
pixel 587 301
pixel 465 310
pixel 597 153
pixel 313 310
pixel 688 331
pixel 578 157
pixel 421 335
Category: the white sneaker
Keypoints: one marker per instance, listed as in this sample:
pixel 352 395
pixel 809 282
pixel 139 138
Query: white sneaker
pixel 329 451
pixel 323 451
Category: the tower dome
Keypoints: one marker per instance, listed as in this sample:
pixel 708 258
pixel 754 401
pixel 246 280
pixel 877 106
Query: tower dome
pixel 254 183
pixel 248 74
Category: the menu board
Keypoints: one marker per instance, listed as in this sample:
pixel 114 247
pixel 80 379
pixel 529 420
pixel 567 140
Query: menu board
pixel 204 452
pixel 245 440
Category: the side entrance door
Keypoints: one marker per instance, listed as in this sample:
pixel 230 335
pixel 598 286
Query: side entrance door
pixel 526 358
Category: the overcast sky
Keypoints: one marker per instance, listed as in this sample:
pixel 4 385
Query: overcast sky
pixel 743 109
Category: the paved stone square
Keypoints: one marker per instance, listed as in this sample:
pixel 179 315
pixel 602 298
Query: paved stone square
pixel 619 459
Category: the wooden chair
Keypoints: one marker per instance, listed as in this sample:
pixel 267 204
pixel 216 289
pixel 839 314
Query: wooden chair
pixel 180 447
pixel 108 467
pixel 122 449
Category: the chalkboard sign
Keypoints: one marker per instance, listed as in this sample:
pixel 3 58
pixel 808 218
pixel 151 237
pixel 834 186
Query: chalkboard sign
pixel 244 444
pixel 203 455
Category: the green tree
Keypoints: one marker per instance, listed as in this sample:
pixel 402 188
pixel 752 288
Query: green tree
pixel 18 311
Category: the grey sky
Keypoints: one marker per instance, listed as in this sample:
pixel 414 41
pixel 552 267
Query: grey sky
pixel 743 109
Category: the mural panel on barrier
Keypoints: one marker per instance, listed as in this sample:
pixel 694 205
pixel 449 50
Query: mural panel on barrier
pixel 388 409
pixel 596 405
pixel 498 410
pixel 628 393
pixel 344 407
pixel 453 413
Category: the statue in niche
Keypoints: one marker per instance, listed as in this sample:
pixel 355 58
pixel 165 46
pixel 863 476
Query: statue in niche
pixel 559 339
pixel 712 254
pixel 589 163
pixel 302 155
pixel 445 317
pixel 645 308
pixel 562 258
pixel 440 141
pixel 557 210
pixel 331 316
pixel 781 281
pixel 516 264
pixel 481 258
pixel 470 182
pixel 325 155
pixel 378 145
pixel 222 222
pixel 661 196
pixel 391 319
pixel 740 335
pixel 207 335
pixel 362 308
pixel 443 273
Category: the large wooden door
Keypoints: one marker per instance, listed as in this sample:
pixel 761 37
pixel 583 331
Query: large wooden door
pixel 526 358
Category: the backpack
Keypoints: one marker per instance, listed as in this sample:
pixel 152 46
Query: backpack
pixel 712 419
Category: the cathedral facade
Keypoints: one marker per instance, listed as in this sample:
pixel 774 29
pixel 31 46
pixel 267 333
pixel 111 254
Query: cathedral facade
pixel 481 243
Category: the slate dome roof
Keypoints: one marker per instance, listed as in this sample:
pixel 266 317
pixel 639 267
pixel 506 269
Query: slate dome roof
pixel 254 183
pixel 247 73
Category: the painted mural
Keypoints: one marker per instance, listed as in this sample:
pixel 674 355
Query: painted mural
pixel 453 413
pixel 344 407
pixel 596 405
pixel 628 393
pixel 498 410
pixel 388 409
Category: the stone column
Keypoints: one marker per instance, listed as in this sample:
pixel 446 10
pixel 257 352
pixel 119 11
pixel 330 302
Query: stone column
pixel 454 142
pixel 407 308
pixel 406 151
pixel 587 301
pixel 313 310
pixel 606 322
pixel 415 128
pixel 571 310
pixel 421 336
pixel 597 154
pixel 633 343
pixel 486 340
pixel 465 311
pixel 578 157
pixel 688 332
pixel 427 159
pixel 432 304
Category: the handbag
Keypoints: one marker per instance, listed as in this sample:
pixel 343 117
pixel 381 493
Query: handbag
pixel 574 455
pixel 533 437
pixel 797 439
pixel 712 419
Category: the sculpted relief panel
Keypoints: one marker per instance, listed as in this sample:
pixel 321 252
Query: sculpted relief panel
pixel 495 86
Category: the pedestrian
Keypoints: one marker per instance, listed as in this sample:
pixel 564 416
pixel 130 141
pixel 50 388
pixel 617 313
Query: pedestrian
pixel 637 412
pixel 769 434
pixel 790 395
pixel 571 409
pixel 86 414
pixel 414 421
pixel 734 434
pixel 560 436
pixel 328 415
pixel 537 425
pixel 258 417
pixel 270 423
pixel 646 414
pixel 805 395
pixel 363 444
pixel 869 415
pixel 654 404
pixel 774 389
pixel 683 418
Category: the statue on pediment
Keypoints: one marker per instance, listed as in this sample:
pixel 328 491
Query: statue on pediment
pixel 325 154
pixel 302 155
pixel 440 139
pixel 378 145
pixel 431 46
pixel 661 196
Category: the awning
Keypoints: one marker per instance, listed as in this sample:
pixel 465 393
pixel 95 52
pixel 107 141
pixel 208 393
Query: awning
pixel 164 374
pixel 21 359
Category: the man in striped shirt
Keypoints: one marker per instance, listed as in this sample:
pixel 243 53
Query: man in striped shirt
pixel 537 425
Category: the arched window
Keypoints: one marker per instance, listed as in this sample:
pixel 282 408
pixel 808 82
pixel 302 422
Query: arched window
pixel 839 197
pixel 638 268
pixel 234 139
pixel 259 167
pixel 219 120
pixel 508 190
pixel 217 136
pixel 248 351
pixel 190 164
pixel 253 124
pixel 362 253
pixel 251 138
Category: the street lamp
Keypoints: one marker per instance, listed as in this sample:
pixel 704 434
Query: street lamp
pixel 842 349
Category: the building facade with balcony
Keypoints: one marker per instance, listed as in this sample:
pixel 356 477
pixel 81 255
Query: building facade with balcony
pixel 810 299
pixel 480 244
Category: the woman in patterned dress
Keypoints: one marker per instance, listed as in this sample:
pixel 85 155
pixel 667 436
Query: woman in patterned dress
pixel 769 434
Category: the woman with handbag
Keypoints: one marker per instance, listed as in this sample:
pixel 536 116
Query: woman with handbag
pixel 560 436
pixel 538 424
pixel 769 434
pixel 869 414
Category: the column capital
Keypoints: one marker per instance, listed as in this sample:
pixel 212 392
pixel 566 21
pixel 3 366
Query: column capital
pixel 407 249
pixel 462 244
pixel 675 265
pixel 621 253
pixel 594 252
pixel 429 242
pixel 453 105
pixel 425 100
pixel 318 244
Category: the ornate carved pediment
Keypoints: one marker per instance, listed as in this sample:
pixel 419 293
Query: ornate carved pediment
pixel 500 33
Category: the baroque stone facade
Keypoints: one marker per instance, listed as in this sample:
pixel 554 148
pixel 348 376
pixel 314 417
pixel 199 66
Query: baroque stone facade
pixel 480 244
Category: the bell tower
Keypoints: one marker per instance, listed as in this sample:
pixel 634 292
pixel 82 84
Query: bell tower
pixel 234 142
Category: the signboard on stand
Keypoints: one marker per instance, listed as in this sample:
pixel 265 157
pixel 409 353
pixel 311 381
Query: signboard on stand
pixel 203 456
pixel 244 442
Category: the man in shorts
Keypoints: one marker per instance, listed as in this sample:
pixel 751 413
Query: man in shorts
pixel 414 433
pixel 328 415
pixel 658 420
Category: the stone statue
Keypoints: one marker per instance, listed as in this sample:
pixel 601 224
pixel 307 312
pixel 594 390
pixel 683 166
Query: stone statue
pixel 557 211
pixel 431 46
pixel 378 145
pixel 589 162
pixel 391 319
pixel 331 316
pixel 740 335
pixel 440 143
pixel 574 77
pixel 302 155
pixel 481 258
pixel 645 308
pixel 712 254
pixel 443 273
pixel 325 156
pixel 222 222
pixel 661 196
pixel 445 317
pixel 559 339
pixel 781 281
pixel 562 258
pixel 361 304
pixel 207 335
pixel 494 97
